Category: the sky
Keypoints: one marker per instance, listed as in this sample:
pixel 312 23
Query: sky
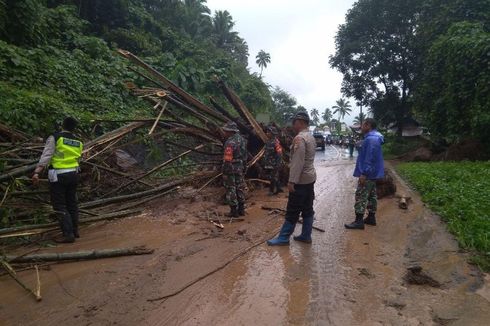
pixel 299 35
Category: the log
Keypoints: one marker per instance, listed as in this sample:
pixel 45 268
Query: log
pixel 80 255
pixel 17 172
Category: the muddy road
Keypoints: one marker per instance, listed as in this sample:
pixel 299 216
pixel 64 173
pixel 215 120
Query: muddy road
pixel 230 277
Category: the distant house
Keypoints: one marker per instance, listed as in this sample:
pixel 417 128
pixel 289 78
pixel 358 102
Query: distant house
pixel 410 128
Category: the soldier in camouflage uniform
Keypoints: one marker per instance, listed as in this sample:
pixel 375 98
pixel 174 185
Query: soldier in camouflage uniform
pixel 272 160
pixel 234 165
pixel 369 168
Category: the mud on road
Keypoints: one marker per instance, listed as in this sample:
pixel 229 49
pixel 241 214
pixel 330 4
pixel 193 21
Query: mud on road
pixel 343 278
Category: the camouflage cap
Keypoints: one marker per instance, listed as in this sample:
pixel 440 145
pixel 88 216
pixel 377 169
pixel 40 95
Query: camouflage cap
pixel 231 127
pixel 301 116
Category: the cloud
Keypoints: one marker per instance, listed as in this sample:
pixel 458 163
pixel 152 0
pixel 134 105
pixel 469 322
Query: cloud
pixel 300 38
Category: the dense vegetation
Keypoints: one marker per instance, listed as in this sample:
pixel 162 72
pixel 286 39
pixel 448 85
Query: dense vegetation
pixel 58 57
pixel 459 193
pixel 426 59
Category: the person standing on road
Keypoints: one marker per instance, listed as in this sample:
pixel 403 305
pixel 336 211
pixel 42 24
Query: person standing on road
pixel 302 177
pixel 234 165
pixel 61 155
pixel 272 160
pixel 369 168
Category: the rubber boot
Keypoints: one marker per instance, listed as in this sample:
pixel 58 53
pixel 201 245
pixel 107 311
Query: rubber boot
pixel 283 237
pixel 358 224
pixel 278 188
pixel 305 231
pixel 271 188
pixel 233 212
pixel 371 219
pixel 241 209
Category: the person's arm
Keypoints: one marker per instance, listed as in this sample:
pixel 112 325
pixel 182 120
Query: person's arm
pixel 297 161
pixel 369 159
pixel 45 159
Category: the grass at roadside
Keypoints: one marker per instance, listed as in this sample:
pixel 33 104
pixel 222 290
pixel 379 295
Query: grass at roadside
pixel 460 194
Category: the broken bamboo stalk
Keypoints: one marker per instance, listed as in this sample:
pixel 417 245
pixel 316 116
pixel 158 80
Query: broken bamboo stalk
pixel 122 198
pixel 115 172
pixel 13 275
pixel 242 109
pixel 153 170
pixel 111 135
pixel 171 86
pixel 80 255
pixel 158 117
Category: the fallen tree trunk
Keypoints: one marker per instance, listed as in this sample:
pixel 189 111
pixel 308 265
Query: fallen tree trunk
pixel 80 255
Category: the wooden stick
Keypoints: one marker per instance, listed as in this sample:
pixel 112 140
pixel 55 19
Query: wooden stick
pixel 116 172
pixel 13 275
pixel 81 255
pixel 158 117
pixel 38 288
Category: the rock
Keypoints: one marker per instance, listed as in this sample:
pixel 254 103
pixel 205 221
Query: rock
pixel 386 186
pixel 241 232
pixel 416 276
pixel 365 272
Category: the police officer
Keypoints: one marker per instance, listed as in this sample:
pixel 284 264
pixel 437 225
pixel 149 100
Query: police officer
pixel 302 177
pixel 272 160
pixel 60 156
pixel 234 165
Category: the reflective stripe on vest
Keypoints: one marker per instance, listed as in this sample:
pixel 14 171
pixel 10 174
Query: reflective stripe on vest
pixel 67 153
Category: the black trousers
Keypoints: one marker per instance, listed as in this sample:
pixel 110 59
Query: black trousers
pixel 301 202
pixel 64 201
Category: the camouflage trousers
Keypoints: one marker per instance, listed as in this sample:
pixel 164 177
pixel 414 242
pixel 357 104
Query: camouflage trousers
pixel 366 197
pixel 272 174
pixel 235 188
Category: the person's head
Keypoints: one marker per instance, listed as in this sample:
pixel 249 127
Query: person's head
pixel 229 129
pixel 301 121
pixel 69 124
pixel 368 125
pixel 271 132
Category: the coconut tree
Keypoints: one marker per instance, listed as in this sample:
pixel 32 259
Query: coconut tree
pixel 315 117
pixel 263 58
pixel 360 118
pixel 327 115
pixel 342 108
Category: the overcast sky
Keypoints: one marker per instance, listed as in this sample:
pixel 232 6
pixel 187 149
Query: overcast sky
pixel 299 35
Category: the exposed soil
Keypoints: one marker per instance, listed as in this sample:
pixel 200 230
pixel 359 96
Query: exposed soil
pixel 343 278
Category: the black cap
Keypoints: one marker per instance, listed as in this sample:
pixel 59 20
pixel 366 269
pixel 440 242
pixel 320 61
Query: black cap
pixel 302 116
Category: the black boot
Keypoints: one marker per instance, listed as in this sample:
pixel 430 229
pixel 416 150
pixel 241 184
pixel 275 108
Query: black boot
pixel 241 209
pixel 371 219
pixel 358 224
pixel 271 188
pixel 233 212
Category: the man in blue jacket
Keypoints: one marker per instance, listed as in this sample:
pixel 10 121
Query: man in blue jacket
pixel 369 168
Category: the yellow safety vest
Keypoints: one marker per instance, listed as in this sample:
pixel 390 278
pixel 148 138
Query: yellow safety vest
pixel 68 151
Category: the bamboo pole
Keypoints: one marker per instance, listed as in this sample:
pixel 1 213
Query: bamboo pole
pixel 13 275
pixel 171 86
pixel 153 170
pixel 80 255
pixel 158 117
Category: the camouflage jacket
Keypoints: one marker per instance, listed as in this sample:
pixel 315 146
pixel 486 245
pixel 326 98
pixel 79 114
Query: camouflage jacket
pixel 235 155
pixel 273 153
